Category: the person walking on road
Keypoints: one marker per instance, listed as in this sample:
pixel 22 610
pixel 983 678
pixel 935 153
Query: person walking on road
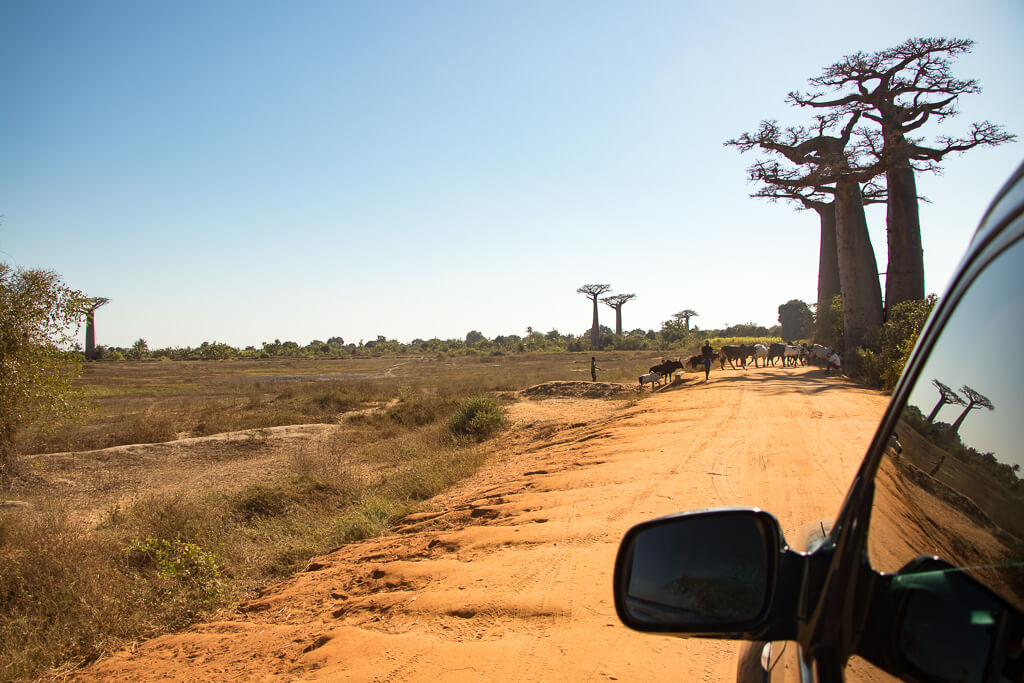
pixel 709 354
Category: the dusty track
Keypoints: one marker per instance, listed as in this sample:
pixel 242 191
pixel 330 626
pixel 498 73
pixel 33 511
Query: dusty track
pixel 509 576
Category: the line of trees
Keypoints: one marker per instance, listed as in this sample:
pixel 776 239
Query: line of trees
pixel 675 334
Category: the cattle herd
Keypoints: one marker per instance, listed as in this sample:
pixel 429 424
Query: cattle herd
pixel 789 355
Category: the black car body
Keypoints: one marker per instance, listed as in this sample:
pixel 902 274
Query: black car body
pixel 921 576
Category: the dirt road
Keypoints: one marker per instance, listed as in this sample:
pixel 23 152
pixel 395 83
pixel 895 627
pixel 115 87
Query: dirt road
pixel 509 576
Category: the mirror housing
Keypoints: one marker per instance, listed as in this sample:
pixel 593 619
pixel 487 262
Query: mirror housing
pixel 947 626
pixel 711 573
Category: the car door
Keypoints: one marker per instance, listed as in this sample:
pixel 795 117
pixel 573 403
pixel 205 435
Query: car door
pixel 946 517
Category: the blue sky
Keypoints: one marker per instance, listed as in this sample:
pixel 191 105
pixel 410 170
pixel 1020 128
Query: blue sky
pixel 251 171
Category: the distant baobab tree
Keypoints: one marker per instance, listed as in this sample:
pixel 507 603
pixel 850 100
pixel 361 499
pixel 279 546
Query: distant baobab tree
pixel 685 317
pixel 947 396
pixel 594 291
pixel 89 310
pixel 975 401
pixel 616 301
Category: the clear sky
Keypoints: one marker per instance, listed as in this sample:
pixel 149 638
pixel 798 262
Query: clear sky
pixel 244 171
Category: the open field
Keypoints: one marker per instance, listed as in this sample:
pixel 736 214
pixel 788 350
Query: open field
pixel 190 485
pixel 154 401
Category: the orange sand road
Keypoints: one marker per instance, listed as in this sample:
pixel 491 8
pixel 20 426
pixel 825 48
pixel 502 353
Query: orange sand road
pixel 509 576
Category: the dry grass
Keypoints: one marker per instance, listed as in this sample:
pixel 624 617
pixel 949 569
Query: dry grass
pixel 71 591
pixel 154 401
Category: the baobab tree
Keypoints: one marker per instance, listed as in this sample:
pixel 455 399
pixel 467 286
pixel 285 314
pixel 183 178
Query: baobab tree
pixel 685 317
pixel 901 89
pixel 974 401
pixel 594 291
pixel 89 310
pixel 616 301
pixel 820 160
pixel 947 396
pixel 821 200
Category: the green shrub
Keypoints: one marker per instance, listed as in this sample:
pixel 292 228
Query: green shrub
pixel 477 417
pixel 177 569
pixel 828 323
pixel 894 341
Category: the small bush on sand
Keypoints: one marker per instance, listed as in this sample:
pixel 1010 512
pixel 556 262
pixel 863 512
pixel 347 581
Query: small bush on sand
pixel 177 570
pixel 477 417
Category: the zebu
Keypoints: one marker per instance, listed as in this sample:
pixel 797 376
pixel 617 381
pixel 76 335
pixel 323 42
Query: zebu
pixel 794 355
pixel 650 378
pixel 731 352
pixel 760 351
pixel 821 353
pixel 666 368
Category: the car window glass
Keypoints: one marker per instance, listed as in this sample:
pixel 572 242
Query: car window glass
pixel 950 483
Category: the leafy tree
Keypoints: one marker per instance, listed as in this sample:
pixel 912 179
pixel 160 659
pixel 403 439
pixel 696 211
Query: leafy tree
pixel 828 322
pixel 39 318
pixel 673 330
pixel 796 319
pixel 472 337
pixel 140 349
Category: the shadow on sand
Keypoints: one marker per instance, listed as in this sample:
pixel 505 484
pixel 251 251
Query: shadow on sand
pixel 808 380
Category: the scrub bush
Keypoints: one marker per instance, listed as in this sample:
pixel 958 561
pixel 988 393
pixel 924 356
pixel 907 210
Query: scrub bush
pixel 477 417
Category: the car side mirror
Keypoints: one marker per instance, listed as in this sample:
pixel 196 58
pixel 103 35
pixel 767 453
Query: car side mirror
pixel 708 573
pixel 950 627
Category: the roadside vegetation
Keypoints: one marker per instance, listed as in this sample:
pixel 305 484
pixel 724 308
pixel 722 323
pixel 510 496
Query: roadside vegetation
pixel 408 421
pixel 71 591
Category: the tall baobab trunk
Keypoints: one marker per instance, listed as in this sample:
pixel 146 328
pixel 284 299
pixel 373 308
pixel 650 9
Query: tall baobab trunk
pixel 90 334
pixel 904 274
pixel 828 259
pixel 858 270
pixel 592 292
pixel 617 301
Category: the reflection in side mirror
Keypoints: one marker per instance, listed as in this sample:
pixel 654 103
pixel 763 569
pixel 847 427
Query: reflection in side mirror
pixel 953 628
pixel 698 572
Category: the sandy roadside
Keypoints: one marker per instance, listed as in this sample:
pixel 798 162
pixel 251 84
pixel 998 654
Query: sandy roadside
pixel 508 577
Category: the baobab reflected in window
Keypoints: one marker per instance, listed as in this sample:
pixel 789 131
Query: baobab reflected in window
pixel 951 483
